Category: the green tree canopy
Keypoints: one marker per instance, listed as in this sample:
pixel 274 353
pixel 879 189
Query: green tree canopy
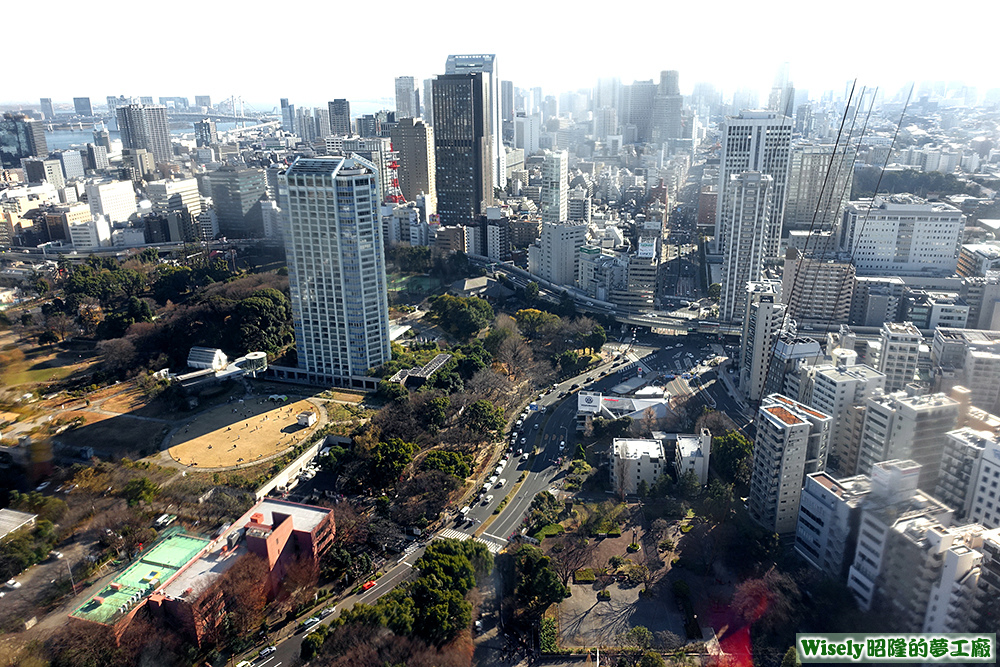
pixel 388 460
pixel 452 463
pixel 534 323
pixel 537 583
pixel 483 417
pixel 461 316
pixel 732 454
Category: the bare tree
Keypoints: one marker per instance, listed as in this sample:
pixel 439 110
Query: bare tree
pixel 118 353
pixel 576 552
pixel 514 356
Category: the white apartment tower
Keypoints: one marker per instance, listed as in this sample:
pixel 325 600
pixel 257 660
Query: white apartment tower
pixel 761 327
pixel 414 141
pixel 174 196
pixel 791 443
pixel 754 141
pixel 556 256
pixel 898 357
pixel 836 390
pixel 969 478
pixel 748 225
pixel 336 269
pixel 555 186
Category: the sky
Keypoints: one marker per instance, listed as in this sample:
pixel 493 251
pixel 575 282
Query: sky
pixel 314 52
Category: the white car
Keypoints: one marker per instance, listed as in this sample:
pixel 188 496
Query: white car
pixel 264 652
pixel 501 482
pixel 488 499
pixel 13 585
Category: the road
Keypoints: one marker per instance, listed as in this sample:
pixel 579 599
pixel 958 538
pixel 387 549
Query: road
pixel 543 431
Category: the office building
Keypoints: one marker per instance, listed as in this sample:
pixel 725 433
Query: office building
pixel 205 133
pixel 340 117
pixel 748 223
pixel 20 137
pixel 407 98
pixel 668 107
pixel 928 309
pixel 527 132
pixel 113 200
pixel 146 127
pixel 555 186
pixel 970 358
pixel 637 109
pixel 58 219
pixel 634 461
pixel 837 390
pixel 137 164
pixel 72 164
pixel 236 195
pixel 82 106
pixel 463 146
pixel 977 259
pixel 485 64
pixel 427 108
pixel 336 267
pixel 905 425
pixel 203 101
pixel 50 170
pixel 90 234
pixel 555 257
pixel 819 185
pixel 175 196
pixel 792 441
pixel 898 355
pixel 414 141
pixel 287 116
pixel 817 290
pixel 47 111
pixel 764 320
pixel 829 515
pixel 902 235
pixel 97 158
pixel 103 138
pixel 758 141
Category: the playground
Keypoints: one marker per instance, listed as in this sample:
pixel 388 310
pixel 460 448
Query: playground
pixel 242 431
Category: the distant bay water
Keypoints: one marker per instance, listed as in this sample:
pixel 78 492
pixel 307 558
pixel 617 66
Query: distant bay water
pixel 62 139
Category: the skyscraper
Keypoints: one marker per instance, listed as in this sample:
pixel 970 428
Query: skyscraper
pixel 82 106
pixel 340 117
pixel 761 326
pixel 37 170
pixel 462 146
pixel 46 103
pixel 20 137
pixel 336 269
pixel 427 111
pixel 754 141
pixel 205 133
pixel 287 115
pixel 819 185
pixel 487 65
pixel 414 140
pixel 555 186
pixel 145 126
pixel 637 108
pixel 407 105
pixel 667 107
pixel 749 225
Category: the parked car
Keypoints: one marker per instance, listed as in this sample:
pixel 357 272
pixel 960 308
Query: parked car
pixel 12 584
pixel 501 482
pixel 488 499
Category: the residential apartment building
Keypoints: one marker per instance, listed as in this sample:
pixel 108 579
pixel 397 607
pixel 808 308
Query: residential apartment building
pixel 817 290
pixel 792 442
pixel 837 390
pixel 929 310
pixel 898 356
pixel 146 127
pixel 970 358
pixel 555 186
pixel 819 185
pixel 747 224
pixel 692 453
pixel 829 515
pixel 555 257
pixel 762 324
pixel 634 461
pixel 175 196
pixel 337 269
pixel 413 140
pixel 970 476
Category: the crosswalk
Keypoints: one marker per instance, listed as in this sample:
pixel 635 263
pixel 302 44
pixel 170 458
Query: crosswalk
pixel 494 545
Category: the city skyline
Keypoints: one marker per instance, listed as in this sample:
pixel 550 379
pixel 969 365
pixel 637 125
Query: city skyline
pixel 692 50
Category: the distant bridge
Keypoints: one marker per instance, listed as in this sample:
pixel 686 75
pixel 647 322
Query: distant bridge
pixel 218 117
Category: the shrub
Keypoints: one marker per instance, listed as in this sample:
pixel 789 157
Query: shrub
pixel 666 545
pixel 603 596
pixel 547 635
pixel 686 528
pixel 632 548
pixel 548 531
pixel 615 532
pixel 584 576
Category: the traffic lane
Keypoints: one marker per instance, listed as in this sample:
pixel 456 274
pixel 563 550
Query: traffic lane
pixel 289 650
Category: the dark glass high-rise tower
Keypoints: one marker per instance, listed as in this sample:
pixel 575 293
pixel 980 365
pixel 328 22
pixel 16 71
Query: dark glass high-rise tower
pixel 20 137
pixel 463 146
pixel 340 117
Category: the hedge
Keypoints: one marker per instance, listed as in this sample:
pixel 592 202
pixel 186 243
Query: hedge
pixel 584 576
pixel 547 634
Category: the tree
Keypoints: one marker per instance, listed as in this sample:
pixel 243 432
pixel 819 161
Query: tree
pixel 60 324
pixel 651 659
pixel 264 319
pixel 483 417
pixel 435 411
pixel 118 354
pixel 47 338
pixel 597 338
pixel 391 390
pixel 244 590
pixel 140 489
pixel 715 291
pixel 300 582
pixel 452 463
pixel 535 323
pixel 732 455
pixel 791 658
pixel 388 460
pixel 719 500
pixel 767 602
pixel 537 584
pixel 574 551
pixel 531 291
pixel 461 316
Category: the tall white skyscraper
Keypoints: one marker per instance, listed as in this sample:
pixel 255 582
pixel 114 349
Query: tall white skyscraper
pixel 761 326
pixel 754 141
pixel 487 64
pixel 750 202
pixel 819 185
pixel 336 269
pixel 407 98
pixel 555 186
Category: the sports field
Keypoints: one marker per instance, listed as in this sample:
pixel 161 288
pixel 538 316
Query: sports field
pixel 141 578
pixel 240 432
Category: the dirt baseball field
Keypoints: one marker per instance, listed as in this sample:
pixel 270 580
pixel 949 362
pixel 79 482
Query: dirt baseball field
pixel 242 431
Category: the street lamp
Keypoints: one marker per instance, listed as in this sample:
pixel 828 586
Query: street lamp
pixel 71 580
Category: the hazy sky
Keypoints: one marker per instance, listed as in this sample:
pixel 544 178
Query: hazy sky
pixel 315 51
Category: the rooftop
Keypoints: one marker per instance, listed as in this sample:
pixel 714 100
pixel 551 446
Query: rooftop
pixel 799 407
pixel 689 444
pixel 304 517
pixel 783 414
pixel 629 448
pixel 11 520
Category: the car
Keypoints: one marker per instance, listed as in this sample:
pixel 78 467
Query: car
pixel 524 457
pixel 42 486
pixel 368 585
pixel 329 610
pixel 562 394
pixel 478 625
pixel 524 441
pixel 501 482
pixel 518 452
pixel 575 386
pixel 590 379
pixel 56 554
pixel 245 663
pixel 12 584
pixel 562 445
pixel 309 622
pixel 264 652
pixel 488 499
